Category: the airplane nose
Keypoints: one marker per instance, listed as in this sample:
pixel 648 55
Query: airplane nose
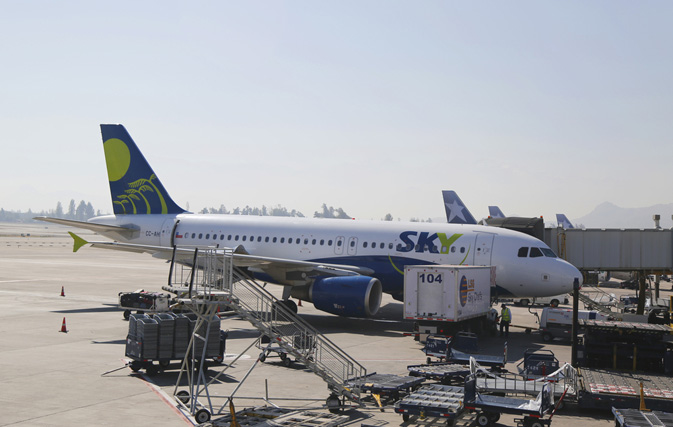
pixel 571 273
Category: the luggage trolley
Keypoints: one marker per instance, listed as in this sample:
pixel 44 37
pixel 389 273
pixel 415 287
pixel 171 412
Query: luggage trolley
pixel 489 408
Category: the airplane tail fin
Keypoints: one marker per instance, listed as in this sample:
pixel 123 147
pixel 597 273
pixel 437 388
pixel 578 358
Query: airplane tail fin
pixel 134 187
pixel 456 211
pixel 563 221
pixel 495 212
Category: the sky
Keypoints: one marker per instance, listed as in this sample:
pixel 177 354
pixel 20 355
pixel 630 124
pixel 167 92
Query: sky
pixel 371 106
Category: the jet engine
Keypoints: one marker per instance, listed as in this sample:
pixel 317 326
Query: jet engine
pixel 352 296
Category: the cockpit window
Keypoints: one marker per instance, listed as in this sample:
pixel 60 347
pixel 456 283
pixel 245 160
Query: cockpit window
pixel 523 252
pixel 535 252
pixel 548 252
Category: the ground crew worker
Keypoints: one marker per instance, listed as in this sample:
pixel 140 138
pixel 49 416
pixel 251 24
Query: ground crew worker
pixel 505 319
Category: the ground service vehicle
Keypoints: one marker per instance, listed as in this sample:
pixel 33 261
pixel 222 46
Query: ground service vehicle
pixel 445 299
pixel 557 322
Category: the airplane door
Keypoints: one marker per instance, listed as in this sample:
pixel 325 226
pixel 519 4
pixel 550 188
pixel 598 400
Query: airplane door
pixel 339 245
pixel 352 245
pixel 168 230
pixel 483 249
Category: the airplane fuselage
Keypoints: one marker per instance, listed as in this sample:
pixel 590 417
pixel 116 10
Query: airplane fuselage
pixel 383 247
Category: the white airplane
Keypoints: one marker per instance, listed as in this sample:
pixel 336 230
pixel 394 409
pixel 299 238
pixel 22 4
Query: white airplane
pixel 342 266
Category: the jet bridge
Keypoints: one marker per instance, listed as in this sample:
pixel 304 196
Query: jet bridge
pixel 647 250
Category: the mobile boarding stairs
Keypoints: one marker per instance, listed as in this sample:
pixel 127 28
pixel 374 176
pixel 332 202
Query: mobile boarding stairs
pixel 216 283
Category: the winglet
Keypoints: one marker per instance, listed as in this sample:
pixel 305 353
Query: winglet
pixel 79 242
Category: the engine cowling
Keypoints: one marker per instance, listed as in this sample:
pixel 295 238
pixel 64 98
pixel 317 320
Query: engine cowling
pixel 352 296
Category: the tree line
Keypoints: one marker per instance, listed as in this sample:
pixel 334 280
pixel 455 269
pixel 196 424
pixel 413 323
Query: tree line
pixel 85 210
pixel 80 212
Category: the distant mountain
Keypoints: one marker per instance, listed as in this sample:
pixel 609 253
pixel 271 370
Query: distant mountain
pixel 609 215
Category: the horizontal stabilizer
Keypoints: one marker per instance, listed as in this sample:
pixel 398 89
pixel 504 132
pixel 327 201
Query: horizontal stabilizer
pixel 98 228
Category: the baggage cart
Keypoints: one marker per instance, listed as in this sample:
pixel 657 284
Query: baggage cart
pixel 433 400
pixel 637 418
pixel 489 408
pixel 143 302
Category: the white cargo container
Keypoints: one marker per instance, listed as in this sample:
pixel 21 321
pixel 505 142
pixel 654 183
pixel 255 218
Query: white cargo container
pixel 447 293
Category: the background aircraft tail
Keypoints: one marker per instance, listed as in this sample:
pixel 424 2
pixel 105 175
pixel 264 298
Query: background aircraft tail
pixel 456 211
pixel 495 212
pixel 134 187
pixel 563 221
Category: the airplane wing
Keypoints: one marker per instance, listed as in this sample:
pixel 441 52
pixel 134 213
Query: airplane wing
pixel 282 271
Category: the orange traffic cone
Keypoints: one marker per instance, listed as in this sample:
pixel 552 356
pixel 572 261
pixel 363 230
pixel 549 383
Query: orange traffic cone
pixel 63 327
pixel 62 291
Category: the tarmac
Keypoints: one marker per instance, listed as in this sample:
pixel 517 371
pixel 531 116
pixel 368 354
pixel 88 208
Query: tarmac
pixel 78 377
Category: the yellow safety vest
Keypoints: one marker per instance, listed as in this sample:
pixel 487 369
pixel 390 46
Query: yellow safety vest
pixel 506 315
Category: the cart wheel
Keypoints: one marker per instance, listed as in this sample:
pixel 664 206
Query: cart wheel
pixel 183 396
pixel 547 337
pixel 428 361
pixel 405 417
pixel 494 417
pixel 151 370
pixel 287 362
pixel 262 357
pixel 483 419
pixel 202 416
pixel 164 363
pixel 135 366
pixel 283 356
pixel 334 404
pixel 127 314
pixel 535 424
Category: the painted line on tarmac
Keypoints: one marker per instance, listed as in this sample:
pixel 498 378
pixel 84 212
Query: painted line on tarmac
pixel 159 392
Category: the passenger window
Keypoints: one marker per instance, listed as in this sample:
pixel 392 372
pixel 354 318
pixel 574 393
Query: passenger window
pixel 339 243
pixel 383 245
pixel 313 242
pixel 200 235
pixel 229 237
pixel 193 235
pixel 236 238
pixel 266 239
pixel 523 252
pixel 306 241
pixel 298 240
pixel 453 249
pixel 252 238
pixel 535 252
pixel 322 242
pixel 245 237
pixel 352 243
pixel 462 250
pixel 390 246
pixel 329 243
pixel 208 236
pixel 274 239
pixel 364 245
pixel 221 236
pixel 289 240
pixel 282 240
